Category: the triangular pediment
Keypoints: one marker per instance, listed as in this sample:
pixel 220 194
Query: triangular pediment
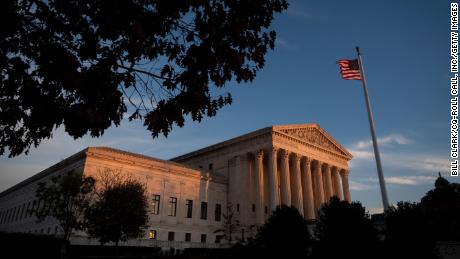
pixel 315 135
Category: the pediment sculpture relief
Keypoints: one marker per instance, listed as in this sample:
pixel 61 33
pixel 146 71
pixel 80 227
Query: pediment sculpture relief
pixel 313 136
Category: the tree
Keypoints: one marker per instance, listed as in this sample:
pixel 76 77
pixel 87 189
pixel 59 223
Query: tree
pixel 345 230
pixel 83 63
pixel 66 199
pixel 119 212
pixel 230 224
pixel 441 207
pixel 284 234
pixel 408 234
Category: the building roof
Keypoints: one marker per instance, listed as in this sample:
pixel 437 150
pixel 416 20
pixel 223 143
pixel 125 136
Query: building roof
pixel 82 155
pixel 282 129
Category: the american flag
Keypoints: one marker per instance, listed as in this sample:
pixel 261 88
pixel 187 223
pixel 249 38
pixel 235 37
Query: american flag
pixel 349 69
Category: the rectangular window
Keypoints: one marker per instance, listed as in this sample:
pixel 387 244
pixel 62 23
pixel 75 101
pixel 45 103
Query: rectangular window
pixel 188 237
pixel 204 210
pixel 266 209
pixel 189 208
pixel 218 238
pixel 203 238
pixel 210 166
pixel 156 204
pixel 170 236
pixel 172 206
pixel 253 207
pixel 217 212
pixel 237 207
pixel 152 234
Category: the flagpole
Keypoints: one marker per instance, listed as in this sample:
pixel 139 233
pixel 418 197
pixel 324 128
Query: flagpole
pixel 383 188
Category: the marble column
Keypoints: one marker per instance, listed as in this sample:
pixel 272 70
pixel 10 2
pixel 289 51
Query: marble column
pixel 273 179
pixel 307 189
pixel 296 188
pixel 345 186
pixel 319 193
pixel 336 181
pixel 285 179
pixel 327 182
pixel 258 169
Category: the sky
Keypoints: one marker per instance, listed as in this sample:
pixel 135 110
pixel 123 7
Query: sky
pixel 406 55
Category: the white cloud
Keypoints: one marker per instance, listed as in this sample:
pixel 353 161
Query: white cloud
pixel 383 141
pixel 422 163
pixel 359 186
pixel 407 180
pixel 363 156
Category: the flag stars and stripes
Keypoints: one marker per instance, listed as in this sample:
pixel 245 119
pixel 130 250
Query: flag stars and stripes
pixel 349 69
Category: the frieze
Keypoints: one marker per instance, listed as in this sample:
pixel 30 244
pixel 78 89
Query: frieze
pixel 287 140
pixel 313 136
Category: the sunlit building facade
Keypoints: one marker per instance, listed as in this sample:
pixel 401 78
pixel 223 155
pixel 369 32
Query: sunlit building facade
pixel 189 195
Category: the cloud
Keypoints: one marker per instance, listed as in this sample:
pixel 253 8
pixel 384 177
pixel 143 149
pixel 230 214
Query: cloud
pixel 383 141
pixel 406 161
pixel 407 180
pixel 360 186
pixel 363 156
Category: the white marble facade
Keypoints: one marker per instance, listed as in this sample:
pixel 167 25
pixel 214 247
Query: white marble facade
pixel 298 165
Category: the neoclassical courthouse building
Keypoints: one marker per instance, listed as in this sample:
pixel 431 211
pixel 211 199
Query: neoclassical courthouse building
pixel 299 165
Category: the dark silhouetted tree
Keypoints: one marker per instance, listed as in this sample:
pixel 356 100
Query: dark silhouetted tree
pixel 441 207
pixel 284 234
pixel 230 225
pixel 83 64
pixel 119 212
pixel 408 234
pixel 66 198
pixel 344 230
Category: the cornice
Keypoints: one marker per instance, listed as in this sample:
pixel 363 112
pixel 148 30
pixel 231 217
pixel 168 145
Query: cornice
pixel 42 174
pixel 148 162
pixel 224 144
pixel 279 129
pixel 310 145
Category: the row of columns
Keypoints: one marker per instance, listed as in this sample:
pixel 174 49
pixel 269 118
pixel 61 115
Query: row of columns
pixel 304 183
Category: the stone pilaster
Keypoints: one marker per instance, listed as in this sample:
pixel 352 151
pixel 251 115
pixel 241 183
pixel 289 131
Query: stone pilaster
pixel 258 169
pixel 273 179
pixel 307 189
pixel 245 185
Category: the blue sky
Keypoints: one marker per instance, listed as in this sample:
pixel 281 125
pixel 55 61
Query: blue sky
pixel 405 49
